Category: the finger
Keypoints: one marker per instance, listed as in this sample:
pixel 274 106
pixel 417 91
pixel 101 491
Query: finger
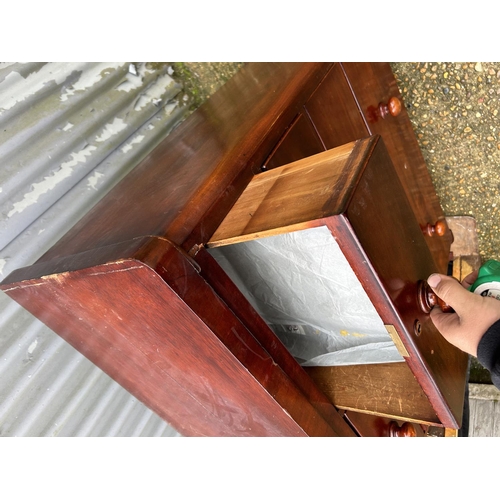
pixel 469 279
pixel 452 292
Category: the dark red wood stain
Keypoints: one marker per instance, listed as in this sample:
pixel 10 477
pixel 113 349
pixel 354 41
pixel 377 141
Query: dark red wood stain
pixel 122 289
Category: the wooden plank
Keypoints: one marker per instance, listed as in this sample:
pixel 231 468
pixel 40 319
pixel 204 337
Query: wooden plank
pixel 387 389
pixel 294 195
pixel 465 241
pixel 149 320
pixel 484 418
pixel 465 246
pixel 487 392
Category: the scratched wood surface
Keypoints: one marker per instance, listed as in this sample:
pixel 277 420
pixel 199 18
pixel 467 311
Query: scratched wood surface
pixel 388 232
pixel 403 148
pixel 388 389
pixel 465 246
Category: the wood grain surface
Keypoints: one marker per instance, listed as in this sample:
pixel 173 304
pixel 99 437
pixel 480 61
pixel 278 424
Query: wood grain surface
pixel 369 215
pixel 154 325
pixel 374 83
pixel 131 287
pixel 387 389
pixel 283 198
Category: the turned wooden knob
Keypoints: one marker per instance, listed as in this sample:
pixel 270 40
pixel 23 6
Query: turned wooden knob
pixel 427 299
pixel 438 229
pixel 406 430
pixel 393 107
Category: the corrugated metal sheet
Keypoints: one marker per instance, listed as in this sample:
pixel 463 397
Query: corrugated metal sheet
pixel 68 133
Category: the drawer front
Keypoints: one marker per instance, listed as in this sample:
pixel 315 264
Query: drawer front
pixel 374 84
pixel 355 192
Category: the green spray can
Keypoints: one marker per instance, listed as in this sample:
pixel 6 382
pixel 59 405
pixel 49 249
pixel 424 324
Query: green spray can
pixel 487 283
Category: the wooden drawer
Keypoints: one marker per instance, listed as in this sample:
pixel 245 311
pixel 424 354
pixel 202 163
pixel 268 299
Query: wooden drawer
pixel 334 112
pixel 353 192
pixel 299 141
pixel 373 84
pixel 346 107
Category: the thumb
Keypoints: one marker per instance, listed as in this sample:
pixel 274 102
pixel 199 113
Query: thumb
pixel 450 291
pixel 444 322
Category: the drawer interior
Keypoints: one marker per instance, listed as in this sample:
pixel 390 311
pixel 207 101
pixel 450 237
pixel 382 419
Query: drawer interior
pixel 288 245
pixel 303 287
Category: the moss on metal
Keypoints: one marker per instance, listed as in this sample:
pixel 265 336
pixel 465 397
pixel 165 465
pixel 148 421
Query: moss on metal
pixel 201 80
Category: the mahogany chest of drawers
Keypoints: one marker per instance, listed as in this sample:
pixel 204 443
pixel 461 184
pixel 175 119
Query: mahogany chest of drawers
pixel 135 287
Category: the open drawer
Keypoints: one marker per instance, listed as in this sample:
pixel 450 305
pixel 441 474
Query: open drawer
pixel 328 251
pixel 133 285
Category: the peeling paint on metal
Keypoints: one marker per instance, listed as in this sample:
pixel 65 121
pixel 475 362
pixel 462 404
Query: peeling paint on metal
pixel 169 108
pixel 136 140
pixel 154 93
pixel 50 123
pixel 15 88
pixel 92 181
pixel 132 69
pixel 116 126
pixel 89 77
pixel 49 182
pixel 32 346
pixel 134 80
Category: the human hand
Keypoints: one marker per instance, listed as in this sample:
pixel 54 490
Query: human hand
pixel 473 314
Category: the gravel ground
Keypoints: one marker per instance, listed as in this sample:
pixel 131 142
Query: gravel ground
pixel 455 112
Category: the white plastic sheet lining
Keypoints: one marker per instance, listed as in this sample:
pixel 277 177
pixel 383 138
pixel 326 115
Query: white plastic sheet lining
pixel 306 291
